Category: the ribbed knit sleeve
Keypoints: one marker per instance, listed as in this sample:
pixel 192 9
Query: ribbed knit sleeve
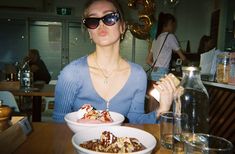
pixel 136 113
pixel 67 87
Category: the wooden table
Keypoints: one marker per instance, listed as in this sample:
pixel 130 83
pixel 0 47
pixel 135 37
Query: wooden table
pixel 52 138
pixel 37 91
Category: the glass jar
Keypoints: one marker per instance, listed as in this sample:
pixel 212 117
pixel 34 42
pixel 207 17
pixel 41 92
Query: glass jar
pixel 223 68
pixel 231 79
pixel 190 107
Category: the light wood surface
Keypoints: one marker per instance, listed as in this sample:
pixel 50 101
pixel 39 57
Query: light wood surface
pixel 52 138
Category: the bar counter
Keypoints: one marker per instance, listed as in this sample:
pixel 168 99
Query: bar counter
pixel 220 85
pixel 221 111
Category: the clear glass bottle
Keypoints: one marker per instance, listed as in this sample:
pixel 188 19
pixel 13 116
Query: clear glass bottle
pixel 26 76
pixel 190 107
pixel 17 66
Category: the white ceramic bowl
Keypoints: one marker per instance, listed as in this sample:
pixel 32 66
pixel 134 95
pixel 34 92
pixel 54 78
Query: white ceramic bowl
pixel 71 120
pixel 144 137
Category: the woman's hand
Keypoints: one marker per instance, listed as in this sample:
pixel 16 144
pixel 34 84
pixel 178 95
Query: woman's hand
pixel 166 88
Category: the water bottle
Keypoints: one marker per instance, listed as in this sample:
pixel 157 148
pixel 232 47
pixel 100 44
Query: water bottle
pixel 17 66
pixel 190 107
pixel 26 76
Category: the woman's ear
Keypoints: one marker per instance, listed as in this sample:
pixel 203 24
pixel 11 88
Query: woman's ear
pixel 123 27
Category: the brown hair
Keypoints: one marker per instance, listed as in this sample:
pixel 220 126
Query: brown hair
pixel 204 39
pixel 35 52
pixel 114 2
pixel 163 20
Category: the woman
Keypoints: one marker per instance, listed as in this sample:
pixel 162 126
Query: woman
pixel 103 78
pixel 166 40
pixel 206 44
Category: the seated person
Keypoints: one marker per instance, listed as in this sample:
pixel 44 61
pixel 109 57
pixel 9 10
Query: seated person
pixel 206 44
pixel 37 66
pixel 40 73
pixel 104 79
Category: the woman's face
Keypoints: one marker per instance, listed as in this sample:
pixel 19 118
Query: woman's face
pixel 104 35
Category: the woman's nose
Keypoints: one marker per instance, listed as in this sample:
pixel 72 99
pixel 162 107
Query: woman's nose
pixel 101 24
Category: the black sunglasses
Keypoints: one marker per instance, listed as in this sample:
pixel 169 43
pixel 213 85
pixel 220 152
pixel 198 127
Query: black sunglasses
pixel 109 20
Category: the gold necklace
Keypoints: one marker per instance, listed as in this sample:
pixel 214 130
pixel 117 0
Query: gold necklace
pixel 106 77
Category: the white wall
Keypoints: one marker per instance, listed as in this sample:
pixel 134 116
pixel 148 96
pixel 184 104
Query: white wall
pixel 193 19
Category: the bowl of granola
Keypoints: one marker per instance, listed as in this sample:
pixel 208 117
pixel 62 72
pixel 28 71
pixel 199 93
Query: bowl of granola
pixel 113 139
pixel 87 117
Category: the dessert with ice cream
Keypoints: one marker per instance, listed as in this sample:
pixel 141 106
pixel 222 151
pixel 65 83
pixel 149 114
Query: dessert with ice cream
pixel 109 143
pixel 87 114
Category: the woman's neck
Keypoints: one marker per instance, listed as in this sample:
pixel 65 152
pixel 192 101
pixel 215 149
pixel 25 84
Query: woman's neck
pixel 163 31
pixel 107 57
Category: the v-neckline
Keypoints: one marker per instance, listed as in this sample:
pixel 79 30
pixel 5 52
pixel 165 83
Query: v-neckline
pixel 93 88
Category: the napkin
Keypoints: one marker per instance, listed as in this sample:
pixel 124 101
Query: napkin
pixel 208 62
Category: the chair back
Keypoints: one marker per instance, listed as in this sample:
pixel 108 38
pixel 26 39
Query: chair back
pixel 9 99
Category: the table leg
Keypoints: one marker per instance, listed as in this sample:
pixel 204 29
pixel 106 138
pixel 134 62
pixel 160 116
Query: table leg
pixel 36 115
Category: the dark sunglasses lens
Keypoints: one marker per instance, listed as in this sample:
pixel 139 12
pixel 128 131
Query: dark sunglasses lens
pixel 110 19
pixel 91 23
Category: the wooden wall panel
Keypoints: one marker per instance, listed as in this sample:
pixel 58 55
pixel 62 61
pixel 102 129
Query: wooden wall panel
pixel 222 112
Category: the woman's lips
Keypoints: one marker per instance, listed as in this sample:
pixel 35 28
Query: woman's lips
pixel 102 33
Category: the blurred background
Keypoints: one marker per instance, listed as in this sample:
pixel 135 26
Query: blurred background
pixel 54 28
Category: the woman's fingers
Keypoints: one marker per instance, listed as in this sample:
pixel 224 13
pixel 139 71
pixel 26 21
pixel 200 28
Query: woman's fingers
pixel 165 83
pixel 171 82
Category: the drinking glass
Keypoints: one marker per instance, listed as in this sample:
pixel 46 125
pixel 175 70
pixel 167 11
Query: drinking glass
pixel 181 131
pixel 166 129
pixel 207 144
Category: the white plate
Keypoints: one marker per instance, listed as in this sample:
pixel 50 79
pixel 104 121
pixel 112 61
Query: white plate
pixel 144 137
pixel 71 120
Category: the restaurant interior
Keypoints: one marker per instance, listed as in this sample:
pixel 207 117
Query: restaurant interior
pixel 55 29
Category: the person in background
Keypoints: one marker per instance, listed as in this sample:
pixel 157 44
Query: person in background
pixel 37 66
pixel 166 29
pixel 206 44
pixel 104 79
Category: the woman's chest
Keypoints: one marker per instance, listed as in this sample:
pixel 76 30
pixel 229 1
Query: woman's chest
pixel 108 87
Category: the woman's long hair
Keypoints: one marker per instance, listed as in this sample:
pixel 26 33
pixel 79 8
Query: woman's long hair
pixel 163 20
pixel 115 3
pixel 204 39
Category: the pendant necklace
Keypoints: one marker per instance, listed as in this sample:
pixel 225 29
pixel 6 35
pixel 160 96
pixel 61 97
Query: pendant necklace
pixel 106 77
